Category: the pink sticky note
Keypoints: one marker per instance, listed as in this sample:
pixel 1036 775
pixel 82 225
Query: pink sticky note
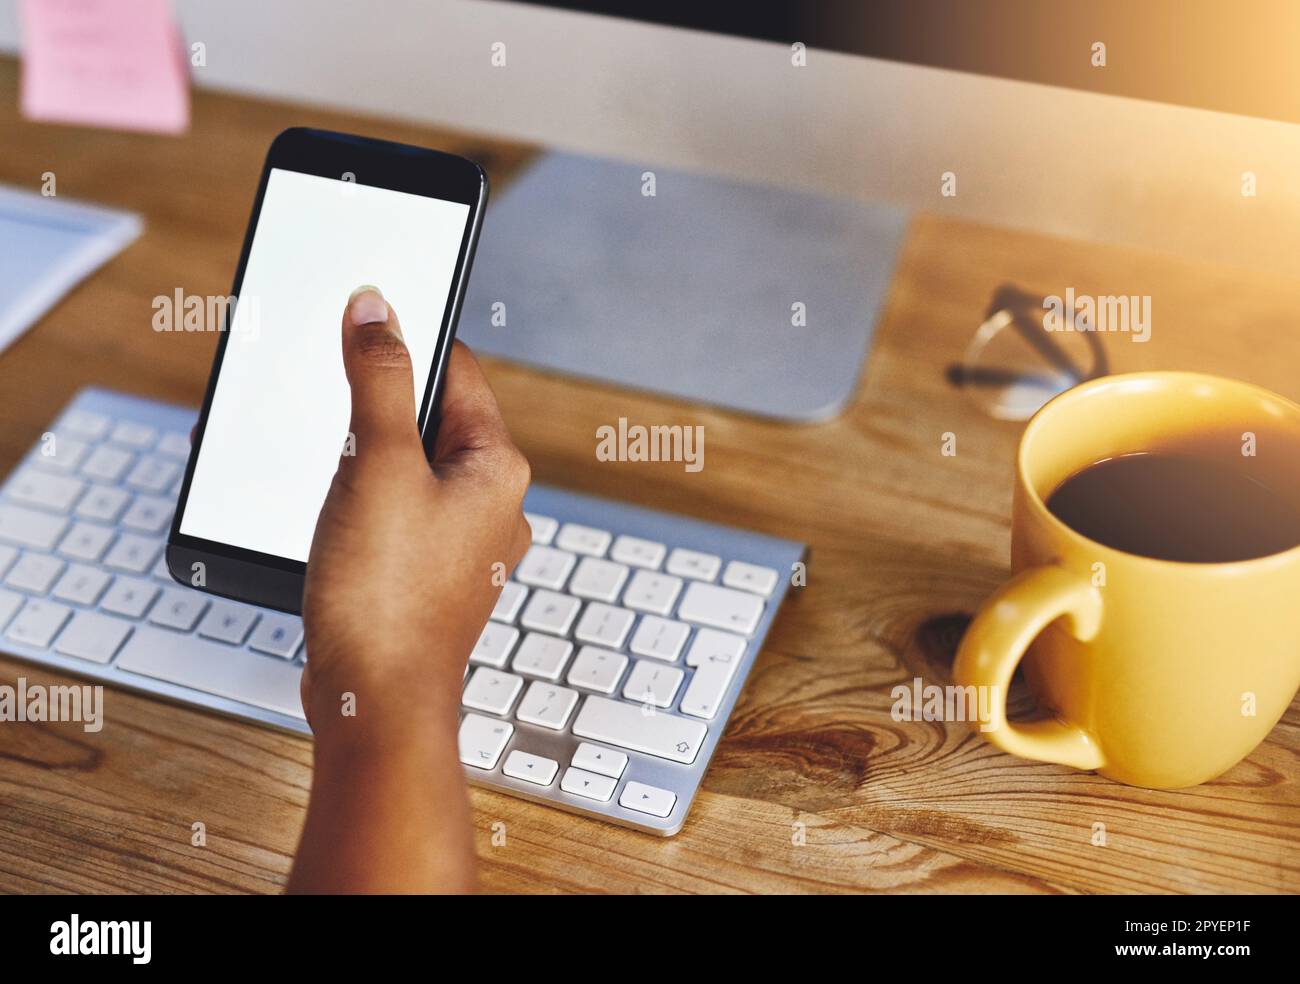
pixel 112 63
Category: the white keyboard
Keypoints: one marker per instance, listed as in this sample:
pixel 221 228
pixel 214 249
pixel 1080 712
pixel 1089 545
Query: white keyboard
pixel 601 684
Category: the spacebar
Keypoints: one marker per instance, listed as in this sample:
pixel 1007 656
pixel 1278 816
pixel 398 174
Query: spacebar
pixel 628 726
pixel 223 671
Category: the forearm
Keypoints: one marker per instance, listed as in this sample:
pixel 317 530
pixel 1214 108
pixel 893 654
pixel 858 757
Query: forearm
pixel 389 810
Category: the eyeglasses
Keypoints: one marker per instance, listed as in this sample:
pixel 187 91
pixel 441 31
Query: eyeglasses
pixel 1014 365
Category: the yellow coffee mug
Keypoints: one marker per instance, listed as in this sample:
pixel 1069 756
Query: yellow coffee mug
pixel 1159 673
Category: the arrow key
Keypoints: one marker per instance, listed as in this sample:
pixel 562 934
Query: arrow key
pixel 588 785
pixel 594 758
pixel 530 768
pixel 647 799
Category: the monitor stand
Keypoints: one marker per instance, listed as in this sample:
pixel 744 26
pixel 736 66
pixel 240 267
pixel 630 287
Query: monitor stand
pixel 741 296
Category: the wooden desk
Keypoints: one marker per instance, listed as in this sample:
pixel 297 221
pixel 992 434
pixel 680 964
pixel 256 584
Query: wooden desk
pixel 905 543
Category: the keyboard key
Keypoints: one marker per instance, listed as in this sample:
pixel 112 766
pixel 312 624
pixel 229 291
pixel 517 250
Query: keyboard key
pixel 542 656
pixel 652 683
pixel 693 564
pixel 10 602
pixel 660 638
pixel 509 601
pixel 583 539
pixel 588 784
pixel 93 636
pixel 153 474
pixel 107 464
pixel 491 690
pixel 133 554
pixel 716 657
pixel 7 556
pixel 647 799
pixel 61 453
pixel 86 541
pixel 133 435
pixel 597 669
pixel 652 592
pixel 547 705
pixel 627 726
pixel 149 514
pixel 213 668
pixel 34 573
pixel 86 423
pixel 81 584
pixel 721 608
pixel 604 761
pixel 604 625
pixel 175 444
pixel 598 579
pixel 178 609
pixel 708 688
pixel 543 527
pixel 43 490
pixel 225 622
pixel 750 577
pixel 637 552
pixel 482 740
pixel 103 503
pixel 545 567
pixel 277 634
pixel 38 623
pixel 494 645
pixel 129 596
pixel 550 612
pixel 530 768
pixel 710 645
pixel 28 528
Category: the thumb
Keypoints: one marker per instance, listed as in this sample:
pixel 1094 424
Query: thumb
pixel 378 367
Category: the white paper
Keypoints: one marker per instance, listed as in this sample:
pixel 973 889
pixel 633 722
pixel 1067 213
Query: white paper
pixel 47 246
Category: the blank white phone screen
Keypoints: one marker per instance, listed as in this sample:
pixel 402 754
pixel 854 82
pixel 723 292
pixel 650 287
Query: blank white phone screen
pixel 279 415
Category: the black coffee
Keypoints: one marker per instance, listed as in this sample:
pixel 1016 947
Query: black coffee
pixel 1176 507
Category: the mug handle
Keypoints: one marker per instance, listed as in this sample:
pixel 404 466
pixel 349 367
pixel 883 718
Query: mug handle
pixel 998 637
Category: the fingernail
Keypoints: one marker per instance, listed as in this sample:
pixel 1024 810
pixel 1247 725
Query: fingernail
pixel 366 306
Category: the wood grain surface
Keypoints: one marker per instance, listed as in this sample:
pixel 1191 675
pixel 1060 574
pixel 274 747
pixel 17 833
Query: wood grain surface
pixel 815 787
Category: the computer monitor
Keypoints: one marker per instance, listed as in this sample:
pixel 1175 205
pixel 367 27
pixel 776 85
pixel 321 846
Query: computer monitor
pixel 782 287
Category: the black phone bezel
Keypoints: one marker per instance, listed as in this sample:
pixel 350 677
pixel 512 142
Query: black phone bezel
pixel 265 579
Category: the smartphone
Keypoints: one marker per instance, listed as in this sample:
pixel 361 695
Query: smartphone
pixel 332 212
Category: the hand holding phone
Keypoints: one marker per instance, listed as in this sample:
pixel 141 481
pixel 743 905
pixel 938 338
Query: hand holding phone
pixel 332 211
pixel 399 581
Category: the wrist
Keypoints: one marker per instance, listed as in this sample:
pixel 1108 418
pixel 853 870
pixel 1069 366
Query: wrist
pixel 383 714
